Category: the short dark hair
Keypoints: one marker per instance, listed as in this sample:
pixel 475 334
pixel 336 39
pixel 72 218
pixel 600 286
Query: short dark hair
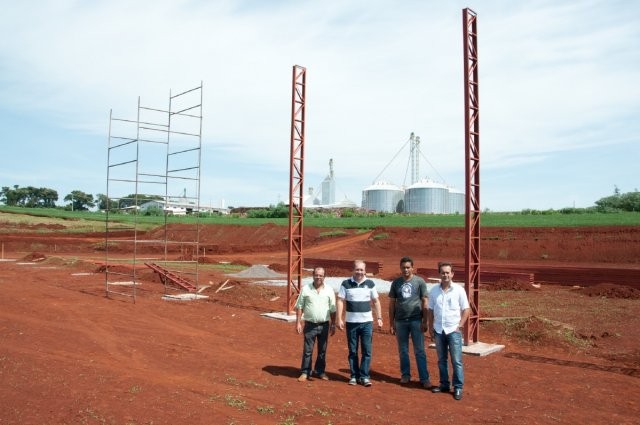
pixel 406 259
pixel 442 264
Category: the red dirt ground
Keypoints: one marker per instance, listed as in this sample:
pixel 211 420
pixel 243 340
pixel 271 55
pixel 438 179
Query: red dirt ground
pixel 70 355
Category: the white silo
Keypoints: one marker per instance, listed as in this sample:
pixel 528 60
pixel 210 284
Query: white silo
pixel 382 196
pixel 456 201
pixel 427 197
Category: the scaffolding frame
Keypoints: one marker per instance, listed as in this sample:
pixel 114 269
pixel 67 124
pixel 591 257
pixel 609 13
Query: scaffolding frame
pixel 472 173
pixel 148 159
pixel 296 185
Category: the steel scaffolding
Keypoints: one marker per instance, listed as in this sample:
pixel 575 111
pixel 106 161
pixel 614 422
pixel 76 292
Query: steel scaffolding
pixel 153 168
pixel 472 172
pixel 296 183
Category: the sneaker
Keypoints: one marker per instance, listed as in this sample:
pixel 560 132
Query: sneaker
pixel 427 385
pixel 353 381
pixel 366 382
pixel 302 378
pixel 405 380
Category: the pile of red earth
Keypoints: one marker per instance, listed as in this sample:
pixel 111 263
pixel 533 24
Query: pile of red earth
pixel 34 256
pixel 611 290
pixel 508 285
pixel 280 268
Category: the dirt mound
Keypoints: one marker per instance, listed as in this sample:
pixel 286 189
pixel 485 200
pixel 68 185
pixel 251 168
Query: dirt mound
pixel 208 260
pixel 250 296
pixel 631 359
pixel 611 290
pixel 280 268
pixel 538 331
pixel 34 256
pixel 337 271
pixel 508 285
pixel 115 268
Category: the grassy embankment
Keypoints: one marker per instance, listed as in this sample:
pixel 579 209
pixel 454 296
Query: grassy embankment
pixel 85 221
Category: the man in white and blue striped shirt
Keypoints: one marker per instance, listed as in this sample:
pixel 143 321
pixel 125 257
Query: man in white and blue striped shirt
pixel 359 294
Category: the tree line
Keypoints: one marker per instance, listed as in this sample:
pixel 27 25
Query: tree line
pixel 629 201
pixel 77 200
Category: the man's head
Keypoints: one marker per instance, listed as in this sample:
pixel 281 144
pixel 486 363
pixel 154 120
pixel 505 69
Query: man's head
pixel 446 272
pixel 318 276
pixel 359 270
pixel 406 267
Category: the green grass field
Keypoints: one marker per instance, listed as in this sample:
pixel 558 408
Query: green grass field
pixel 94 221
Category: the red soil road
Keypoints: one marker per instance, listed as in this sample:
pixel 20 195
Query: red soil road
pixel 70 355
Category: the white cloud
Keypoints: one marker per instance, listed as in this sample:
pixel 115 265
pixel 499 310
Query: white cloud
pixel 554 78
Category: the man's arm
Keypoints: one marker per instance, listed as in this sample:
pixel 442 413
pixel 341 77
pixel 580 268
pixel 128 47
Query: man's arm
pixel 425 314
pixel 392 315
pixel 299 307
pixel 463 317
pixel 378 308
pixel 299 320
pixel 332 312
pixel 339 309
pixel 430 322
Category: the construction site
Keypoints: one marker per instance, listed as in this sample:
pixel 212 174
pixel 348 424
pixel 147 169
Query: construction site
pixel 130 325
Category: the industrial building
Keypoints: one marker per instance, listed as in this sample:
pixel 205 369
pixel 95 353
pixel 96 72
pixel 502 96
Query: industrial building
pixel 422 196
pixel 384 197
pixel 180 207
pixel 326 197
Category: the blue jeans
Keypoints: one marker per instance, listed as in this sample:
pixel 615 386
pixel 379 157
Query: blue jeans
pixel 359 333
pixel 313 331
pixel 450 344
pixel 404 328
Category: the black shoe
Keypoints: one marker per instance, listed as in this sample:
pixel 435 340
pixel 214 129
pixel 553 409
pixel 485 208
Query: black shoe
pixel 457 393
pixel 439 390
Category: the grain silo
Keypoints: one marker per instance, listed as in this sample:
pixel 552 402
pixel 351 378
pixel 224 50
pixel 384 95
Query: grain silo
pixel 382 196
pixel 329 187
pixel 456 201
pixel 427 197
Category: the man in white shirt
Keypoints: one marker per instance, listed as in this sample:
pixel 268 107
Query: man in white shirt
pixel 447 312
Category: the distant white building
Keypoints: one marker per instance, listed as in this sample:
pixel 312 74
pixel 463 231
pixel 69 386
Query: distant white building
pixel 180 208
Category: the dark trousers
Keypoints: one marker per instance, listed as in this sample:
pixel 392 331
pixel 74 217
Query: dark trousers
pixel 313 331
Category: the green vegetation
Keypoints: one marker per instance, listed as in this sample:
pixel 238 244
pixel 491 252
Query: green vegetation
pixel 629 201
pixel 265 410
pixel 527 218
pixel 332 233
pixel 79 201
pixel 278 211
pixel 31 197
pixel 236 402
pixel 135 389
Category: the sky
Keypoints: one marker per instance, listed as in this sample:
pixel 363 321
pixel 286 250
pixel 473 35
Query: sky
pixel 559 93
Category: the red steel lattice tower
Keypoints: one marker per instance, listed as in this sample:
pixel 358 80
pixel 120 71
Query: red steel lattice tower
pixel 472 172
pixel 296 183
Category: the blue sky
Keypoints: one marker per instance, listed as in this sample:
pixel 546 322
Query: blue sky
pixel 559 93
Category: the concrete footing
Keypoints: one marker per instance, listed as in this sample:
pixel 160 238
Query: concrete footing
pixel 280 316
pixel 478 348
